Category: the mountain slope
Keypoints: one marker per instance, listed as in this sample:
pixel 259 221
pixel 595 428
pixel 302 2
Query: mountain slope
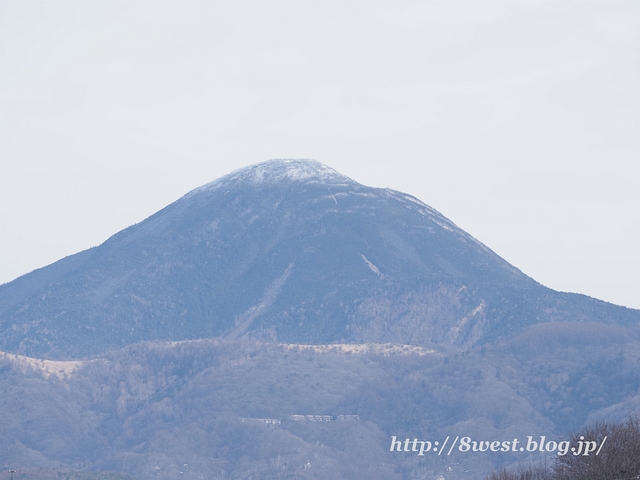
pixel 285 250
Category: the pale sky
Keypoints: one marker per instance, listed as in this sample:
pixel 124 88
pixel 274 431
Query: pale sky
pixel 518 120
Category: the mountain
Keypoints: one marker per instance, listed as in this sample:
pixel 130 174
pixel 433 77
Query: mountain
pixel 284 251
pixel 286 322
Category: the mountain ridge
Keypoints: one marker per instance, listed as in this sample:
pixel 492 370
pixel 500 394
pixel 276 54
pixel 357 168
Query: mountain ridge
pixel 283 251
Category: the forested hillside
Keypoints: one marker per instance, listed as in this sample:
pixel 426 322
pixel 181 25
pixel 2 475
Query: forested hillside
pixel 236 408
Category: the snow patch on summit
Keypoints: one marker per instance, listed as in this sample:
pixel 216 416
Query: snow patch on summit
pixel 273 171
pixel 295 170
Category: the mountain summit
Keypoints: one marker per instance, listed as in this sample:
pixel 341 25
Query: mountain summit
pixel 283 251
pixel 277 171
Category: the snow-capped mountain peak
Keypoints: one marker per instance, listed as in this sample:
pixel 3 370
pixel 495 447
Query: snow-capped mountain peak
pixel 279 170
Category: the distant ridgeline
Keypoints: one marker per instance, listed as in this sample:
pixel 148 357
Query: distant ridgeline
pixel 284 251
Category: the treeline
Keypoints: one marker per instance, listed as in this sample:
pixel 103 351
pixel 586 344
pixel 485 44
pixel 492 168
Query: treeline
pixel 618 459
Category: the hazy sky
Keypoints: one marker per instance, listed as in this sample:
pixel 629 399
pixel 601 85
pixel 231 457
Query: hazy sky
pixel 518 120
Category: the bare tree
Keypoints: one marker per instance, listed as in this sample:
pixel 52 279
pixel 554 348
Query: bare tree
pixel 619 457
